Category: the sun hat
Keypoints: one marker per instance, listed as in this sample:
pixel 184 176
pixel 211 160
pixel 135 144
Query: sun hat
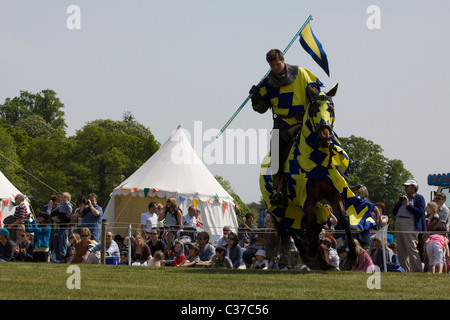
pixel 410 182
pixel 261 252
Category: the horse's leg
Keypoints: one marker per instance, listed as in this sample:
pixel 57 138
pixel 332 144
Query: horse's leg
pixel 352 257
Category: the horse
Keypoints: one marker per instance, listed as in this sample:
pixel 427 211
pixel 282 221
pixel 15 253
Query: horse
pixel 314 173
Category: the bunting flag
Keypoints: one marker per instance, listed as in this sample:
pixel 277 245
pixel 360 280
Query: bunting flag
pixel 195 202
pixel 225 206
pixel 134 189
pixel 217 197
pixel 146 190
pixel 5 202
pixel 155 190
pixel 312 45
pixel 182 198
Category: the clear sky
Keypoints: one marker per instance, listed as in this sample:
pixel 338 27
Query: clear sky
pixel 178 62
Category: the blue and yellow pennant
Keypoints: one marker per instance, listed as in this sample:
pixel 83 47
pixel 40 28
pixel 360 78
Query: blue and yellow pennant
pixel 312 45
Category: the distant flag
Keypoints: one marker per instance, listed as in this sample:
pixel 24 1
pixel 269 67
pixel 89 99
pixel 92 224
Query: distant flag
pixel 312 45
pixel 195 202
pixel 182 198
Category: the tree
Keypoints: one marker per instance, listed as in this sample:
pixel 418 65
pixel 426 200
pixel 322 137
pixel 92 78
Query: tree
pixel 368 166
pixel 45 104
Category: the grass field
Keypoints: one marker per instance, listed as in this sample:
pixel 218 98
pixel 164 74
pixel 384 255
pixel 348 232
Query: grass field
pixel 30 281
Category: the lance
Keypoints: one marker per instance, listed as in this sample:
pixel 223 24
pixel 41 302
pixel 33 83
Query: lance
pixel 264 77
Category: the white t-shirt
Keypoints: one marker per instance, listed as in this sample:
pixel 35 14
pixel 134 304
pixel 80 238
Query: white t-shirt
pixel 189 221
pixel 149 220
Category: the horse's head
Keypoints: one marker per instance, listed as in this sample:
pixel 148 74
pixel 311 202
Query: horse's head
pixel 320 114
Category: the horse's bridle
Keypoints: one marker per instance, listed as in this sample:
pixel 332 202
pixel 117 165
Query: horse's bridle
pixel 314 100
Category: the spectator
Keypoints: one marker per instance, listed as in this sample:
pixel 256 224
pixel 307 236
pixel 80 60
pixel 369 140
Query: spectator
pixel 157 259
pixel 376 254
pixel 161 216
pixel 444 211
pixel 342 253
pixel 246 231
pixel 380 218
pixel 82 246
pixel 259 261
pixel 436 246
pixel 223 241
pixel 410 212
pixel 124 250
pixel 23 248
pixel 154 243
pixel 173 220
pixel 77 217
pixel 149 219
pixel 249 254
pixel 42 233
pixel 206 250
pixel 21 211
pixel 332 253
pixel 61 228
pixel 74 238
pixel 189 219
pixel 92 217
pixel 175 256
pixel 220 260
pixel 432 217
pixel 140 252
pixel 364 260
pixel 234 251
pixel 197 217
pixel 393 247
pixel 6 246
pixel 112 250
pixel 192 258
pixel 262 218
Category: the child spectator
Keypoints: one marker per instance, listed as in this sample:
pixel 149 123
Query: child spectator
pixel 435 247
pixel 260 261
pixel 41 236
pixel 192 258
pixel 220 260
pixel 175 256
pixel 364 260
pixel 156 260
pixel 332 253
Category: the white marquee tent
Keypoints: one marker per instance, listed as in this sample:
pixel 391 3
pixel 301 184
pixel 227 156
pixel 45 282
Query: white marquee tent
pixel 7 194
pixel 175 170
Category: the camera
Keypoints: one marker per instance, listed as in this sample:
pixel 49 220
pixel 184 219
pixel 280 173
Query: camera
pixel 86 202
pixel 402 199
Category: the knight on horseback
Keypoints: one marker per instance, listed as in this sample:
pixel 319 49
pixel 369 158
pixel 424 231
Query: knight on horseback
pixel 285 92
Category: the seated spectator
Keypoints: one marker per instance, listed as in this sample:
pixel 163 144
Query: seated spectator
pixel 376 254
pixel 342 253
pixel 220 260
pixel 259 261
pixel 223 241
pixel 154 243
pixel 82 246
pixel 158 257
pixel 192 258
pixel 23 248
pixel 206 249
pixel 364 260
pixel 234 251
pixel 175 256
pixel 112 250
pixel 124 250
pixel 41 233
pixel 332 253
pixel 249 253
pixel 74 238
pixel 140 251
pixel 393 247
pixel 6 246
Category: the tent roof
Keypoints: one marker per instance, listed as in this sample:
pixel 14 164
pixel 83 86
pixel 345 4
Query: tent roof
pixel 7 189
pixel 175 169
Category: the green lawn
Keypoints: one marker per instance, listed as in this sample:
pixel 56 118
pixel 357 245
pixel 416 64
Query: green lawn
pixel 49 281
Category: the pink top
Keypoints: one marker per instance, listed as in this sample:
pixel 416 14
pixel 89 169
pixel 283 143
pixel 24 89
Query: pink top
pixel 439 239
pixel 364 262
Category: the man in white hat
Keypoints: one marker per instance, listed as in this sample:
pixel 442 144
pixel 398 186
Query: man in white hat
pixel 410 212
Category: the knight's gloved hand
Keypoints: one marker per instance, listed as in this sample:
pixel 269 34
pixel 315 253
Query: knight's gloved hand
pixel 256 96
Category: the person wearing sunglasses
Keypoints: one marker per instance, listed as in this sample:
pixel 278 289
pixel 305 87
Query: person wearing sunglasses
pixel 234 251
